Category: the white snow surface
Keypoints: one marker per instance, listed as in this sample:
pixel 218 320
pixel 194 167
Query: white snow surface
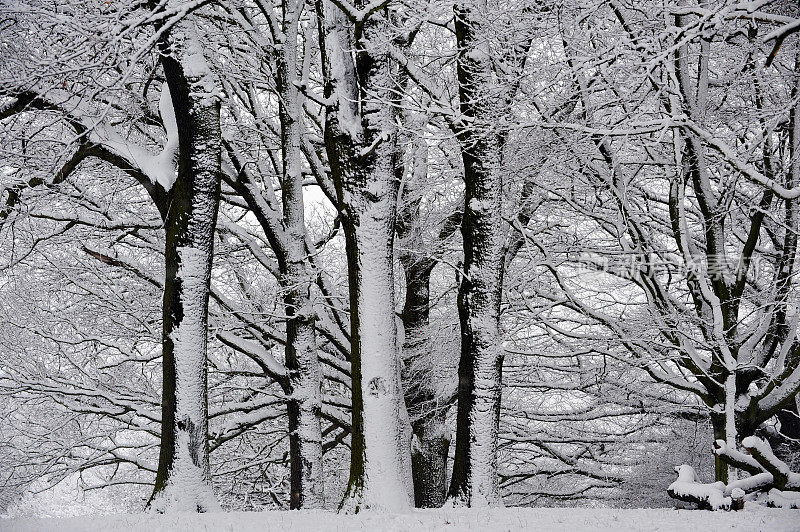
pixel 752 518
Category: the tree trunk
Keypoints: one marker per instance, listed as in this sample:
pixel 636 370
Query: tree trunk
pixel 360 138
pixel 431 440
pixel 474 481
pixel 731 437
pixel 305 436
pixel 720 466
pixel 305 375
pixel 377 475
pixel 183 480
pixel 429 461
pixel 787 444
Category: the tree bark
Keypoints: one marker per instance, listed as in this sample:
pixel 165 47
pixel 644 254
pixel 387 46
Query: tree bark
pixel 720 465
pixel 429 451
pixel 360 138
pixel 430 434
pixel 304 406
pixel 475 481
pixel 183 479
pixel 305 375
pixel 431 440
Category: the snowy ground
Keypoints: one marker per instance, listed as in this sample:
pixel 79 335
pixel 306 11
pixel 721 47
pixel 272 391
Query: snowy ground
pixel 549 519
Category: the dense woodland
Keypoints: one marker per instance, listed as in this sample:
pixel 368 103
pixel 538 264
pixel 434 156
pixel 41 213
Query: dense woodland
pixel 272 254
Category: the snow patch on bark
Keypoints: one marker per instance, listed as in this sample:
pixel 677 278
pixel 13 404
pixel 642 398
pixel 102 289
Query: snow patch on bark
pixel 189 336
pixel 343 93
pixel 196 69
pixel 189 487
pixel 386 481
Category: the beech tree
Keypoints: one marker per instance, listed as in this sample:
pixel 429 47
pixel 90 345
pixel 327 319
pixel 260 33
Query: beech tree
pixel 710 269
pixel 360 140
pixel 183 478
pixel 489 70
pixel 422 238
pixel 290 245
pixel 593 208
pixel 474 480
pixel 283 223
pixel 187 199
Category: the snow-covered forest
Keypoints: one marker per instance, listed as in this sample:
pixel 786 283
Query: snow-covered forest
pixel 351 255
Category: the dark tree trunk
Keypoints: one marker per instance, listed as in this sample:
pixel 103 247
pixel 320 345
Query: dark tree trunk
pixel 429 461
pixel 431 440
pixel 474 481
pixel 183 476
pixel 720 466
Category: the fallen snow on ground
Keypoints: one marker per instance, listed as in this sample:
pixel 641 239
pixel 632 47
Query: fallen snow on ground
pixel 499 519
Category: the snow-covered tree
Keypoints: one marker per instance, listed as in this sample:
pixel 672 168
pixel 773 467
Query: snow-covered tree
pixel 361 139
pixel 247 239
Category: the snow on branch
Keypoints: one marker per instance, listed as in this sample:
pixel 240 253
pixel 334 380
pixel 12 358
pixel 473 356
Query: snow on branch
pixel 779 35
pixel 688 488
pixel 783 499
pixel 159 169
pixel 261 356
pixel 736 458
pixel 761 450
pixel 767 473
pixel 356 15
pixel 747 169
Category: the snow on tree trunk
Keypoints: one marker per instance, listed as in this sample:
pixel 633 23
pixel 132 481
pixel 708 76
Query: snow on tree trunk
pixel 730 418
pixel 360 137
pixel 305 436
pixel 377 470
pixel 474 481
pixel 183 477
pixel 305 375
